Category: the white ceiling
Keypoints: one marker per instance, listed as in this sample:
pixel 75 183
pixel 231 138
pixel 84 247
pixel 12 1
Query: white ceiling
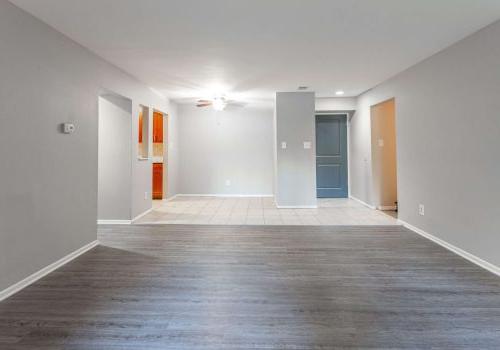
pixel 253 48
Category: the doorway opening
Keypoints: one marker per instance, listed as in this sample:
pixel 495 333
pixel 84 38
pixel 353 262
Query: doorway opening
pixel 384 156
pixel 159 155
pixel 143 137
pixel 331 156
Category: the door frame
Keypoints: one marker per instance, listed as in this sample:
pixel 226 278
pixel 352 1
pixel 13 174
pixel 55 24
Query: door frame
pixel 348 115
pixel 382 208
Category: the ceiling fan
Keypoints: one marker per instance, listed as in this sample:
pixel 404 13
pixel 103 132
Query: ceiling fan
pixel 219 103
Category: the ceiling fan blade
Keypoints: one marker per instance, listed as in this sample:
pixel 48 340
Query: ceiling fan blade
pixel 204 101
pixel 236 104
pixel 203 104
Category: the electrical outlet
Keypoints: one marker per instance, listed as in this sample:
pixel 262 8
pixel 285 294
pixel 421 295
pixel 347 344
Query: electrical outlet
pixel 228 182
pixel 421 209
pixel 146 195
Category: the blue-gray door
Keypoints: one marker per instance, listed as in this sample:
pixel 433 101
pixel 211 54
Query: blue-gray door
pixel 331 156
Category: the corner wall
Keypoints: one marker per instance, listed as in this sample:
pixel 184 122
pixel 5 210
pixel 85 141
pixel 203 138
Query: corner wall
pixel 447 143
pixel 115 166
pixel 172 180
pixel 295 166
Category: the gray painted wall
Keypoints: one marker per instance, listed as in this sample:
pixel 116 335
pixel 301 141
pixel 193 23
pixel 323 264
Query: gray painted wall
pixel 171 131
pixel 235 144
pixel 336 104
pixel 295 167
pixel 448 142
pixel 48 192
pixel 115 164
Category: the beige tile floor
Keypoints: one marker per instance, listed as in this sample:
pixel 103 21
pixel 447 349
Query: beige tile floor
pixel 261 211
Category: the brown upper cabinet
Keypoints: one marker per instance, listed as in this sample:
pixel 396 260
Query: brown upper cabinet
pixel 157 127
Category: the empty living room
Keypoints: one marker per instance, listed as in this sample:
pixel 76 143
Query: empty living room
pixel 249 174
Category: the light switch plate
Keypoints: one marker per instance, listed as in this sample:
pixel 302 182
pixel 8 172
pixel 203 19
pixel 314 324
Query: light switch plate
pixel 307 145
pixel 421 209
pixel 283 145
pixel 381 143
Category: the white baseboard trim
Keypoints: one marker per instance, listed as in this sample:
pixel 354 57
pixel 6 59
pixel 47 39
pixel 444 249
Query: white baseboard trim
pixel 224 195
pixel 4 294
pixel 142 214
pixel 114 222
pixel 361 202
pixel 297 206
pixel 387 207
pixel 171 198
pixel 466 255
pixel 123 222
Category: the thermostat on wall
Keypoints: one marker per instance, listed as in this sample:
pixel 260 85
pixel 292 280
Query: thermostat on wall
pixel 68 128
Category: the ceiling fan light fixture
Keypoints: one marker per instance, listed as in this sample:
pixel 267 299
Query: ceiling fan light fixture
pixel 219 104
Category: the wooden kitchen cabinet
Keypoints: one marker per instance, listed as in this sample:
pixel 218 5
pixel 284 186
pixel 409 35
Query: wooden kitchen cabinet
pixel 157 181
pixel 140 127
pixel 157 127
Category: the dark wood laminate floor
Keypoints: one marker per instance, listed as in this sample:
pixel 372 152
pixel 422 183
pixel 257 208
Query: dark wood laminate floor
pixel 251 287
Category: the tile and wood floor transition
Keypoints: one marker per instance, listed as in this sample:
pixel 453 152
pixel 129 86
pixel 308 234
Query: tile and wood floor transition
pixel 261 211
pixel 257 287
